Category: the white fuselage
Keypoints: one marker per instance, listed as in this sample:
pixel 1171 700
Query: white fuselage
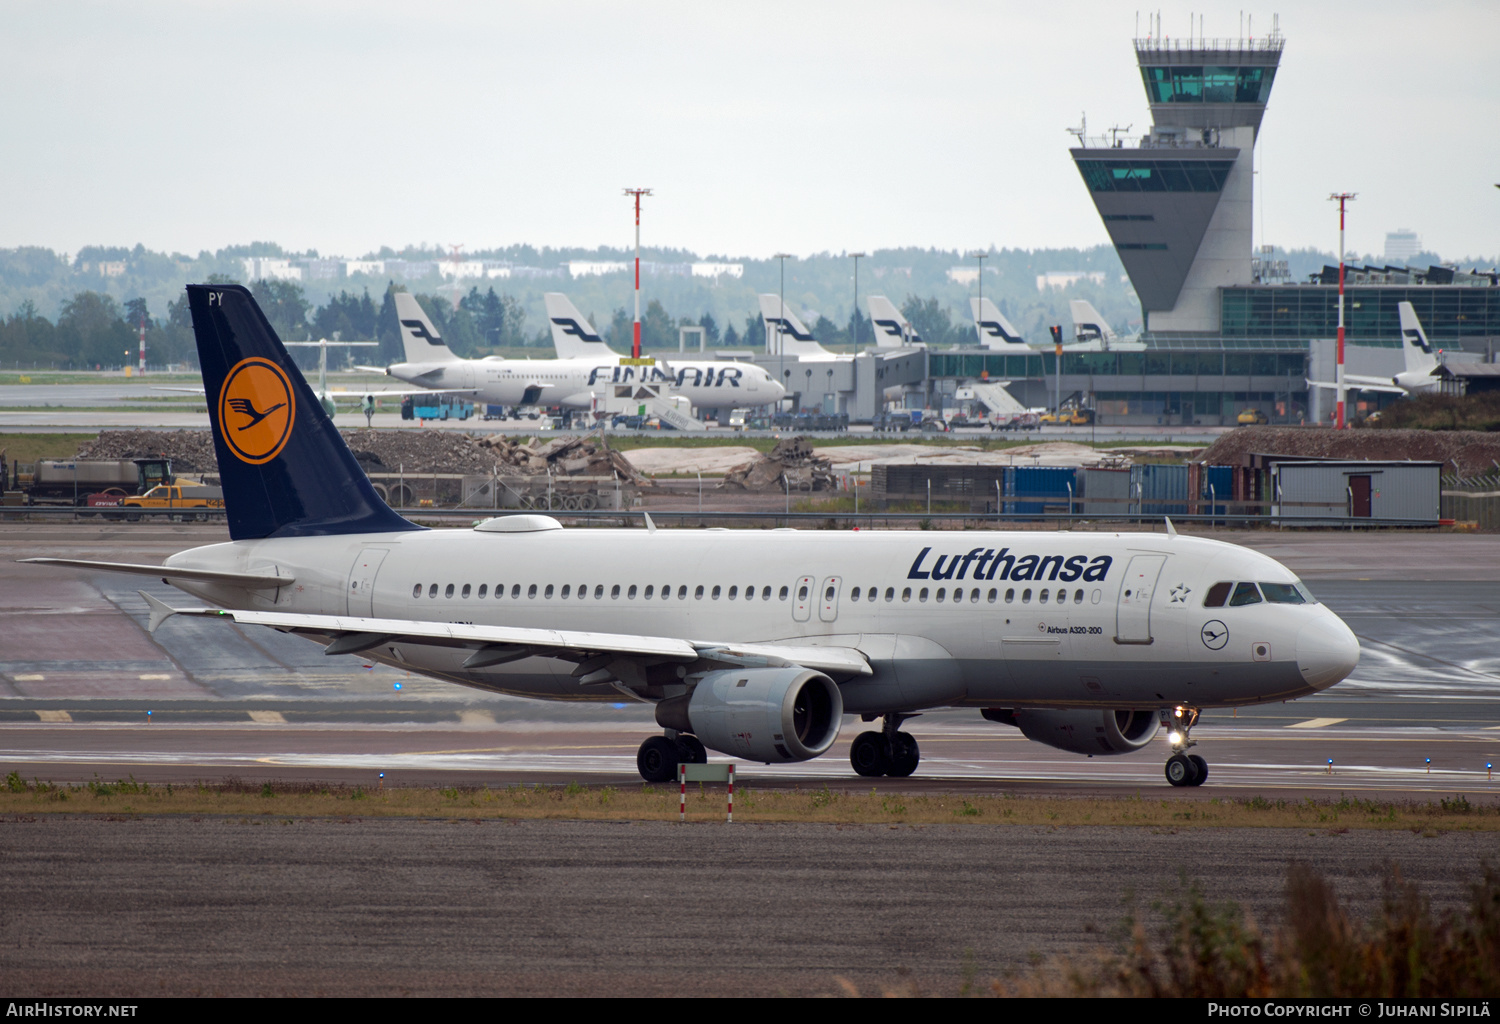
pixel 575 383
pixel 1111 621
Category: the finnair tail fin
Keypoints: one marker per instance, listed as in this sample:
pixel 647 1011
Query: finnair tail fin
pixel 422 341
pixel 796 340
pixel 1420 358
pixel 286 471
pixel 891 328
pixel 995 332
pixel 1088 325
pixel 572 335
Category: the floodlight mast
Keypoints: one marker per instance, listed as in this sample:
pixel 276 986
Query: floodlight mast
pixel 1338 379
pixel 635 345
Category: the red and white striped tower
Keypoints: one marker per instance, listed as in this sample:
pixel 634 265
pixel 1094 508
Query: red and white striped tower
pixel 1338 379
pixel 635 345
pixel 143 345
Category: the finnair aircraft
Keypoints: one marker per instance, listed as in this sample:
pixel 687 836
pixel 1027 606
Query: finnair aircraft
pixel 891 327
pixel 786 336
pixel 752 643
pixel 573 380
pixel 996 332
pixel 1092 333
pixel 1418 354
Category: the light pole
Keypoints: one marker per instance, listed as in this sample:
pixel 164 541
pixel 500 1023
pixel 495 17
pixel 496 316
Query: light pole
pixel 854 320
pixel 635 345
pixel 1338 378
pixel 979 256
pixel 780 323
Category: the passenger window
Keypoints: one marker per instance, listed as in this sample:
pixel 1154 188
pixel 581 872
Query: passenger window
pixel 448 590
pixel 630 594
pixel 1010 595
pixel 906 593
pixel 583 591
pixel 599 592
pixel 765 593
pixel 614 592
pixel 784 592
pixel 515 592
pixel 1042 597
pixel 1244 593
pixel 1026 596
pixel 974 596
pixel 716 593
pixel 484 589
pixel 854 594
pixel 465 592
pixel 698 593
pixel 548 592
pixel 922 595
pixel 417 590
pixel 749 593
pixel 649 591
pixel 531 591
pixel 890 593
pixel 828 594
pixel 941 593
pixel 1217 595
pixel 733 593
pixel 682 593
pixel 993 595
pixel 1078 597
pixel 432 591
pixel 1282 593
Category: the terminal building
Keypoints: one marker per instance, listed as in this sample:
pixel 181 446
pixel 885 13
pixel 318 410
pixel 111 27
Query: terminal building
pixel 1225 329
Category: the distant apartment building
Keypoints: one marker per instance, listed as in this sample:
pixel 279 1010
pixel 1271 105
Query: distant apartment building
pixel 596 268
pixel 718 270
pixel 1067 278
pixel 1401 246
pixel 271 268
pixel 104 268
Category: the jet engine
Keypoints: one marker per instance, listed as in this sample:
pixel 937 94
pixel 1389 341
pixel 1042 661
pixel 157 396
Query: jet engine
pixel 761 714
pixel 1082 732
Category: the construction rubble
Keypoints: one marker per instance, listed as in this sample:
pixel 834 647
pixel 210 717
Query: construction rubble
pixel 792 465
pixel 1471 451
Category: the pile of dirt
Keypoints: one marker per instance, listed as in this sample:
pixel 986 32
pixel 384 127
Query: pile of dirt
pixel 191 451
pixel 792 464
pixel 419 451
pixel 565 456
pixel 1473 451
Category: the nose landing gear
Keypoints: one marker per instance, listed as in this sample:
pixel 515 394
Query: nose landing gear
pixel 1183 769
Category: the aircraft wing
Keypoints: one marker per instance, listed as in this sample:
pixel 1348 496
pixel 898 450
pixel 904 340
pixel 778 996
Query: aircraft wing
pixel 1357 383
pixel 359 396
pixel 595 652
pixel 253 580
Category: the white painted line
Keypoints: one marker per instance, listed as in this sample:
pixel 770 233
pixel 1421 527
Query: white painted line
pixel 54 716
pixel 267 717
pixel 34 678
pixel 154 675
pixel 1317 723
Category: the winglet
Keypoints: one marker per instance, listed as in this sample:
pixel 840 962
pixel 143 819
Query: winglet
pixel 1171 530
pixel 160 611
pixel 650 526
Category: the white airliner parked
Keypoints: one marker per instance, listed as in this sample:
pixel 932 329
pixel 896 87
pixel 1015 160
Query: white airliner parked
pixel 754 643
pixel 785 334
pixel 570 381
pixel 1092 333
pixel 891 327
pixel 996 332
pixel 1418 354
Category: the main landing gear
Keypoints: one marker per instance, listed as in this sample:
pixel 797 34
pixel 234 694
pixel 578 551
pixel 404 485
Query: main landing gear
pixel 1183 769
pixel 659 756
pixel 888 752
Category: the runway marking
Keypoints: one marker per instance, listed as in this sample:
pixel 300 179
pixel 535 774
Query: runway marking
pixel 31 678
pixel 1316 723
pixel 54 716
pixel 266 717
pixel 154 675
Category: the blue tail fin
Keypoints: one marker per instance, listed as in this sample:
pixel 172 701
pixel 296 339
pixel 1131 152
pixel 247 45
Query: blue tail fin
pixel 286 471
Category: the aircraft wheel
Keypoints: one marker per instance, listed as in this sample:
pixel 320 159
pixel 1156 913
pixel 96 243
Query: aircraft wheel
pixel 905 756
pixel 1181 771
pixel 867 755
pixel 1202 767
pixel 657 759
pixel 692 749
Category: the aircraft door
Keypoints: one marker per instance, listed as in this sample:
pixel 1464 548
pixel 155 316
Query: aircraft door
pixel 361 590
pixel 828 603
pixel 1133 612
pixel 803 598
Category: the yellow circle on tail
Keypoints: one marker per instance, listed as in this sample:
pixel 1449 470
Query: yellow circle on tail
pixel 256 410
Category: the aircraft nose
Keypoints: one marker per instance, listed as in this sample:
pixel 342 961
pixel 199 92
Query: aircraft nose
pixel 1327 651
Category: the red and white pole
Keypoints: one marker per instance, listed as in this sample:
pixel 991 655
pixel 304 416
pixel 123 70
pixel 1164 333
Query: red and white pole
pixel 143 345
pixel 635 345
pixel 1338 379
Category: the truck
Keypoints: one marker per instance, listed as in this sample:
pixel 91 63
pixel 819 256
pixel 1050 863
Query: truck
pixel 189 495
pixel 90 483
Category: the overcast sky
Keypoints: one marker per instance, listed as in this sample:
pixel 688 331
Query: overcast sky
pixel 805 126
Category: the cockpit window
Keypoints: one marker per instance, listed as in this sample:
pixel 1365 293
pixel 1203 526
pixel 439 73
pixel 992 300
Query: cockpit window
pixel 1217 595
pixel 1282 593
pixel 1244 593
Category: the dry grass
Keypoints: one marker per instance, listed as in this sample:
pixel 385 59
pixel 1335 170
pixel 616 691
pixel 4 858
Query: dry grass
pixel 574 801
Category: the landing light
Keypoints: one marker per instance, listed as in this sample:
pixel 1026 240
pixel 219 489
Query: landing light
pixel 1174 737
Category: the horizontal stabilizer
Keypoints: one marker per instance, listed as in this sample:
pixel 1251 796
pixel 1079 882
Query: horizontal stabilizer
pixel 252 580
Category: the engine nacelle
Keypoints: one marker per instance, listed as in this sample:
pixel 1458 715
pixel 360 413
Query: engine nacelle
pixel 770 715
pixel 1085 732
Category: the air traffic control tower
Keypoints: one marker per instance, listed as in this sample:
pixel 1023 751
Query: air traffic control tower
pixel 1178 205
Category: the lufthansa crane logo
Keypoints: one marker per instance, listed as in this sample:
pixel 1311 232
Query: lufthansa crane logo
pixel 257 408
